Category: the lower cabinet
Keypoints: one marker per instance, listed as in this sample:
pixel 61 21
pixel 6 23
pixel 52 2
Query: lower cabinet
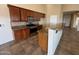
pixel 21 34
pixel 40 27
pixel 25 33
pixel 42 40
pixel 17 35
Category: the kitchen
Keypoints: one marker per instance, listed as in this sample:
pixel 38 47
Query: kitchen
pixel 28 25
pixel 37 29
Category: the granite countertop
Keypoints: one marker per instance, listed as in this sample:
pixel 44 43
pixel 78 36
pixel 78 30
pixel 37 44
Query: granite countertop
pixel 58 26
pixel 44 30
pixel 22 27
pixel 53 27
pixel 19 27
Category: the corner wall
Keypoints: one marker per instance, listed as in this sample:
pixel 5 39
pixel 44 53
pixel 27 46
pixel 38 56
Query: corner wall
pixel 54 9
pixel 70 7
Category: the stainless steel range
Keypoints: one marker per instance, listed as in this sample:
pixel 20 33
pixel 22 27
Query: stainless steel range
pixel 31 25
pixel 33 28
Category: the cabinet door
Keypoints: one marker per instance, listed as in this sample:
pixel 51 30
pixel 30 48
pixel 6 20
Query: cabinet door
pixel 40 27
pixel 25 33
pixel 18 34
pixel 36 15
pixel 29 13
pixel 42 40
pixel 14 13
pixel 41 15
pixel 24 15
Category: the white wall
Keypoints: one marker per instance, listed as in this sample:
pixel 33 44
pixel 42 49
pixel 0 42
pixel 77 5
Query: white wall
pixel 54 9
pixel 71 7
pixel 5 30
pixel 77 23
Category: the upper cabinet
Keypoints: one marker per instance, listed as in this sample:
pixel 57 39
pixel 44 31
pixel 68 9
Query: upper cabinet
pixel 29 13
pixel 43 15
pixel 20 14
pixel 24 15
pixel 38 15
pixel 14 13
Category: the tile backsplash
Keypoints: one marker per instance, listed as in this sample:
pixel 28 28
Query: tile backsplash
pixel 23 23
pixel 18 23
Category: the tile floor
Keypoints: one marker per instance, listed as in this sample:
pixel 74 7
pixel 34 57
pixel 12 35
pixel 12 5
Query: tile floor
pixel 69 44
pixel 25 47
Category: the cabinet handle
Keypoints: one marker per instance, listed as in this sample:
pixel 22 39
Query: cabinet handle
pixel 56 31
pixel 0 25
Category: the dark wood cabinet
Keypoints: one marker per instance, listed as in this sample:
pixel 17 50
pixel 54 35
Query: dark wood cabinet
pixel 29 13
pixel 25 33
pixel 14 13
pixel 43 15
pixel 18 35
pixel 36 16
pixel 21 34
pixel 20 14
pixel 42 40
pixel 40 27
pixel 24 15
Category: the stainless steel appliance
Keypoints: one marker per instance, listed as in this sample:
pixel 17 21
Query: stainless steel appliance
pixel 33 28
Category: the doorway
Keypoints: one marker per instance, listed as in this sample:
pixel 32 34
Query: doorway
pixel 71 19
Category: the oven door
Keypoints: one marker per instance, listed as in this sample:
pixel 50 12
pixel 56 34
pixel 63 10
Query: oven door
pixel 33 30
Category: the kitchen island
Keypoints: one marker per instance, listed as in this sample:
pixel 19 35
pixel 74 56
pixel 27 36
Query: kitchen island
pixel 49 39
pixel 43 39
